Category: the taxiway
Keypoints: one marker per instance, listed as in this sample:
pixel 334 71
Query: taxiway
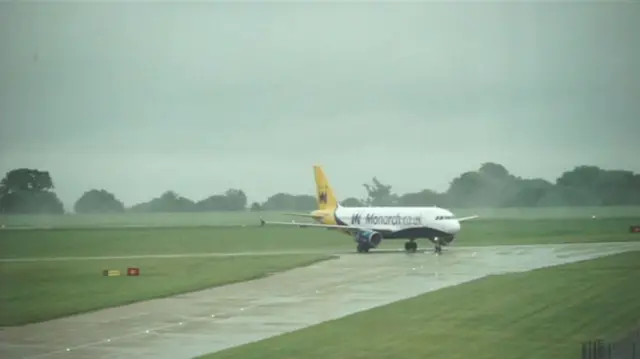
pixel 188 325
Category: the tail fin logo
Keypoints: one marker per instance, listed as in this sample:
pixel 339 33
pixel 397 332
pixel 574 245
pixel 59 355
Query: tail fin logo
pixel 322 197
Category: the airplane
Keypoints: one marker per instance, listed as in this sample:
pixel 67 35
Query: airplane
pixel 370 225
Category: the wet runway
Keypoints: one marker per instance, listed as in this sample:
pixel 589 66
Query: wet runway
pixel 192 324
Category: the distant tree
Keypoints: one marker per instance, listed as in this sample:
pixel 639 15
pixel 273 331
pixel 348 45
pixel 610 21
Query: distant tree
pixel 217 202
pixel 494 170
pixel 493 186
pixel 232 200
pixel 169 201
pixel 256 207
pixel 352 202
pixel 25 190
pixel 236 200
pixel 25 179
pixel 31 202
pixel 581 177
pixel 379 194
pixel 529 193
pixel 423 198
pixel 465 190
pixel 602 187
pixel 98 201
pixel 285 201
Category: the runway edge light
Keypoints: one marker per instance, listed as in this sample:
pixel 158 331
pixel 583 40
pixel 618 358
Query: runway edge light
pixel 110 273
pixel 133 271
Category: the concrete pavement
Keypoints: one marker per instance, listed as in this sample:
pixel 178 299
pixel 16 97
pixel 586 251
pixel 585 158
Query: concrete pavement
pixel 188 325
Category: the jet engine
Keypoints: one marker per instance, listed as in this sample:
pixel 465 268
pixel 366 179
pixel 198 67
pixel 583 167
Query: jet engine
pixel 370 238
pixel 444 241
pixel 447 240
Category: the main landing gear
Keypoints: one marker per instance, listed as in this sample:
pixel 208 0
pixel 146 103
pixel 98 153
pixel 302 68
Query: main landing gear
pixel 363 248
pixel 411 246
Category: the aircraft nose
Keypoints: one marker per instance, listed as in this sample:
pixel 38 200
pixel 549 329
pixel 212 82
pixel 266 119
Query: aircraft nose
pixel 455 226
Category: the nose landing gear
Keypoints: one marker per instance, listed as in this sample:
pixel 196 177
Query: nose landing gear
pixel 411 246
pixel 437 246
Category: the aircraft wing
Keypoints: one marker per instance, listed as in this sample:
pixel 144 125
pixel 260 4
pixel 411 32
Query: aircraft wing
pixel 306 215
pixel 304 225
pixel 466 218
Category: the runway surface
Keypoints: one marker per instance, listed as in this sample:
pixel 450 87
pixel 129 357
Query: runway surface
pixel 192 324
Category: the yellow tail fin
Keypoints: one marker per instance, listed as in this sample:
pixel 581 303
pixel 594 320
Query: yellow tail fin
pixel 324 193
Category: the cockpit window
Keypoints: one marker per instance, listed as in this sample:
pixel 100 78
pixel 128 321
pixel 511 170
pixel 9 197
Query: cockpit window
pixel 440 218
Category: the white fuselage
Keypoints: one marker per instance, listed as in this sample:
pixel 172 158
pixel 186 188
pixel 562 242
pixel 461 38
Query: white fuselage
pixel 395 219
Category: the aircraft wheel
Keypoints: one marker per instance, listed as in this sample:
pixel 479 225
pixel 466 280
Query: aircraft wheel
pixel 362 248
pixel 411 246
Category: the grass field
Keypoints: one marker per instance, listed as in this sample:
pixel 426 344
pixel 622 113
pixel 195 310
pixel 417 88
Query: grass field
pixel 249 218
pixel 544 313
pixel 106 242
pixel 37 291
pixel 25 284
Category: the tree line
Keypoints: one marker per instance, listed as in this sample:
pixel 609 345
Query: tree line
pixel 27 191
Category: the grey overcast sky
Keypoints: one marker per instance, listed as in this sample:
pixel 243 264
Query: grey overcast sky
pixel 139 98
